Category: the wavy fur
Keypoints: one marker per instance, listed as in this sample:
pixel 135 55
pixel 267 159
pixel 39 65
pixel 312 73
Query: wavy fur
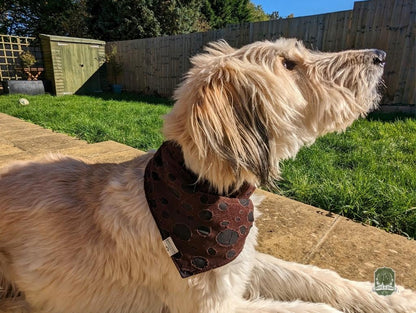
pixel 78 237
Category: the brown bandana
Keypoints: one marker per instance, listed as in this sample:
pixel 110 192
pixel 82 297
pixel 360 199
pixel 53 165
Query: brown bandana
pixel 200 229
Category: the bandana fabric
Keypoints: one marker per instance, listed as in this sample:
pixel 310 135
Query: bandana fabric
pixel 201 230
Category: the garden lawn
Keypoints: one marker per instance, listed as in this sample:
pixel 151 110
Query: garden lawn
pixel 128 119
pixel 367 173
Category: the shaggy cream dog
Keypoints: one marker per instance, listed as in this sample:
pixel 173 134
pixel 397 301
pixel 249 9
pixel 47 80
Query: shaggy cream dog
pixel 81 238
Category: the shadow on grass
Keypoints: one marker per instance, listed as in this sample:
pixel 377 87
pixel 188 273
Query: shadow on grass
pixel 131 96
pixel 390 117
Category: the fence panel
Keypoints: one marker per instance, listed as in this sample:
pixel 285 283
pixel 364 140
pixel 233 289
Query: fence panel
pixel 10 49
pixel 157 65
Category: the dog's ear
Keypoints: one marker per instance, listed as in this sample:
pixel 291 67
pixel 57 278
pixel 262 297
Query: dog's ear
pixel 231 114
pixel 236 116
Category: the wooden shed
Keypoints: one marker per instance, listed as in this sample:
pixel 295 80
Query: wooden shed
pixel 73 65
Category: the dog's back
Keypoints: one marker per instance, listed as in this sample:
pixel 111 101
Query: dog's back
pixel 56 185
pixel 40 202
pixel 64 230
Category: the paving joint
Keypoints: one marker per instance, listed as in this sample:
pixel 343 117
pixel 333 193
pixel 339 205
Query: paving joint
pixel 321 241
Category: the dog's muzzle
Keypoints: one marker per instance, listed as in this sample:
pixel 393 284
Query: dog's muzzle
pixel 379 57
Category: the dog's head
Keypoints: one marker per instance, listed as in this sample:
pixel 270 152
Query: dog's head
pixel 240 111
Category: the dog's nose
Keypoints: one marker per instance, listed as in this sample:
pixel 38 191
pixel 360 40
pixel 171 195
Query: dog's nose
pixel 379 57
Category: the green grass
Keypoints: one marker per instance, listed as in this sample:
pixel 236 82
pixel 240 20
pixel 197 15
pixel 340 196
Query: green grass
pixel 128 119
pixel 367 173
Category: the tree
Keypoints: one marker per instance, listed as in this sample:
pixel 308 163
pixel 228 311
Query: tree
pixel 113 20
pixel 220 13
pixel 275 16
pixel 256 13
pixel 74 22
pixel 32 17
pixel 15 17
pixel 178 17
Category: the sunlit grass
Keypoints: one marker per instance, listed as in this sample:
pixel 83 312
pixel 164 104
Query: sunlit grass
pixel 367 173
pixel 130 119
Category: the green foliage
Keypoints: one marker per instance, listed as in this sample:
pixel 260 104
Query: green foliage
pixel 178 17
pixel 74 20
pixel 114 65
pixel 123 19
pixel 32 17
pixel 113 20
pixel 220 13
pixel 27 59
pixel 276 16
pixel 256 13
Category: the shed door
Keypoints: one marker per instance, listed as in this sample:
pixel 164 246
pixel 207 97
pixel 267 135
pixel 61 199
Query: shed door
pixel 80 67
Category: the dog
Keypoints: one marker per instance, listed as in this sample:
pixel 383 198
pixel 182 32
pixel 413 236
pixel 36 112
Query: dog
pixel 94 238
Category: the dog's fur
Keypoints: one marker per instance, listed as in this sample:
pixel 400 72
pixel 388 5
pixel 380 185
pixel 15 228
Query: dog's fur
pixel 79 238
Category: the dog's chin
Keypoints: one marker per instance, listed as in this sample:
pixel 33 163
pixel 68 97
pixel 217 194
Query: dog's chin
pixel 373 99
pixel 373 106
pixel 375 93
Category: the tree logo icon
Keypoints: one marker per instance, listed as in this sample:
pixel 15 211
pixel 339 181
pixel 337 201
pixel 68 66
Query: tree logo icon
pixel 384 281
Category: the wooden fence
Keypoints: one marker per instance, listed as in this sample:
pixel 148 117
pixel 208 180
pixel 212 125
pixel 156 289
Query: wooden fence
pixel 10 49
pixel 157 65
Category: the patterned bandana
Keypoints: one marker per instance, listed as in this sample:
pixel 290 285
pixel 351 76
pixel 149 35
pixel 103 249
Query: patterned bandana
pixel 200 229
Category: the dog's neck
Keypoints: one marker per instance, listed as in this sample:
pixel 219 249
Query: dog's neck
pixel 214 180
pixel 218 174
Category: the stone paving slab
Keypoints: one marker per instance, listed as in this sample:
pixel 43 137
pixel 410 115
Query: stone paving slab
pixel 33 138
pixel 14 133
pixel 280 220
pixel 288 229
pixel 356 251
pixel 46 144
pixel 108 151
pixel 7 149
pixel 301 233
pixel 8 122
pixel 6 159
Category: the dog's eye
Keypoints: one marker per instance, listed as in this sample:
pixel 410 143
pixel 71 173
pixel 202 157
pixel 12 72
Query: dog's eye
pixel 288 64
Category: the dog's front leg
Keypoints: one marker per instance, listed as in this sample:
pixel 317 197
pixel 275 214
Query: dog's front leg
pixel 234 305
pixel 287 281
pixel 270 306
pixel 217 292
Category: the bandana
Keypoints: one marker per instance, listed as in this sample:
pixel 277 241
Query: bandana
pixel 201 230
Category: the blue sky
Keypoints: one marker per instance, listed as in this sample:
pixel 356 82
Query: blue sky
pixel 304 7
